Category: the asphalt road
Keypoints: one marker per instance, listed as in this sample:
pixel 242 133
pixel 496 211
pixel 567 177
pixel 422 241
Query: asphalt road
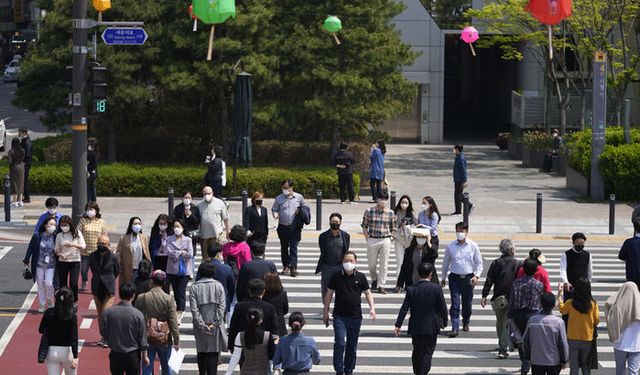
pixel 14 288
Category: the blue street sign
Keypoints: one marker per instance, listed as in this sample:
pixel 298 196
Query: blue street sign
pixel 124 36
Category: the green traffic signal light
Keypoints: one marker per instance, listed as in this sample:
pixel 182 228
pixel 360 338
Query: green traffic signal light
pixel 101 106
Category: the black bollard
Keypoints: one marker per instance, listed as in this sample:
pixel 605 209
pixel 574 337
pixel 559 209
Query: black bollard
pixel 539 213
pixel 7 198
pixel 319 210
pixel 465 208
pixel 393 199
pixel 612 213
pixel 245 195
pixel 170 197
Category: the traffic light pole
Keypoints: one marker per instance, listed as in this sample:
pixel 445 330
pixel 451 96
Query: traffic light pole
pixel 79 105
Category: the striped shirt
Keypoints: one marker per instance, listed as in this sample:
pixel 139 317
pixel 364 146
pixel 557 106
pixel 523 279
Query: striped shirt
pixel 379 223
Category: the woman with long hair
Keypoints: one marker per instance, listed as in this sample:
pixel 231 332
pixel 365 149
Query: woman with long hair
pixel 41 255
pixel 60 324
pixel 430 217
pixel 69 243
pixel 583 314
pixel 296 353
pixel 254 344
pixel 276 296
pixel 91 225
pixel 132 248
pixel 623 324
pixel 406 218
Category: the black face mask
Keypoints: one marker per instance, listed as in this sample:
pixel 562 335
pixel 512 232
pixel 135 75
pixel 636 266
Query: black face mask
pixel 102 248
pixel 578 247
pixel 258 202
pixel 335 226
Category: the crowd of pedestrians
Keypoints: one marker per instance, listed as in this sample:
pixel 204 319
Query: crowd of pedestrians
pixel 238 303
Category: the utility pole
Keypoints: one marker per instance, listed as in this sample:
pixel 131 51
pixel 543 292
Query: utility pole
pixel 79 103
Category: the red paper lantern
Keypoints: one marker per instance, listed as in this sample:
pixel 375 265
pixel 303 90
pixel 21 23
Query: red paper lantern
pixel 549 12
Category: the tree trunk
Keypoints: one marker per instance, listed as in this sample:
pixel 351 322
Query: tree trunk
pixel 333 146
pixel 583 109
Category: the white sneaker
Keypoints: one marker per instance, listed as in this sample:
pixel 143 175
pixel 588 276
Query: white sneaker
pixel 41 308
pixel 352 202
pixel 14 204
pixel 20 204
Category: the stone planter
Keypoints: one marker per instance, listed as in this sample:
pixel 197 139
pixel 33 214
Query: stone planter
pixel 560 164
pixel 515 150
pixel 577 182
pixel 531 158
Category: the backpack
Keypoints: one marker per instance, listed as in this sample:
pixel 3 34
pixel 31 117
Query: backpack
pixel 157 332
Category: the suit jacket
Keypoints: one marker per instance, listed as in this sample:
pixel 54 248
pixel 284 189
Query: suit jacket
pixel 104 268
pixel 125 255
pixel 239 318
pixel 193 222
pixel 255 269
pixel 323 242
pixel 254 222
pixel 428 309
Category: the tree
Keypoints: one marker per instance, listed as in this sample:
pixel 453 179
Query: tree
pixel 305 86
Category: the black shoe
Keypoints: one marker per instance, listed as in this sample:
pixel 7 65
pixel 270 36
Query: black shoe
pixel 455 213
pixel 26 200
pixel 374 285
pixel 465 327
pixel 503 354
pixel 294 272
pixel 471 208
pixel 453 334
pixel 382 291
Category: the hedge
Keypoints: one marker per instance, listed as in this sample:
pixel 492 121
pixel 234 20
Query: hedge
pixel 579 145
pixel 619 166
pixel 154 180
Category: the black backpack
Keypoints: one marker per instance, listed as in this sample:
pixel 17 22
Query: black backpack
pixel 233 263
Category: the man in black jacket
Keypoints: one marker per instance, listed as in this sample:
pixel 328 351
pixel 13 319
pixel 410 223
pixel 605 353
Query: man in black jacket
pixel 333 244
pixel 239 318
pixel 255 269
pixel 428 315
pixel 105 268
pixel 213 177
pixel 343 161
pixel 25 142
pixel 501 274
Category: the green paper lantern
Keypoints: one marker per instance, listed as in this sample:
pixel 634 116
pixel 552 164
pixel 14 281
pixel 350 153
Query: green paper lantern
pixel 212 12
pixel 332 24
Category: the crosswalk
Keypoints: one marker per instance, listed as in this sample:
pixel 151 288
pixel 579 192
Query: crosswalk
pixel 380 352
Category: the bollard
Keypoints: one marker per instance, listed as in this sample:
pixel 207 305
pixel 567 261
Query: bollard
pixel 612 213
pixel 319 210
pixel 393 199
pixel 539 213
pixel 245 196
pixel 465 209
pixel 170 194
pixel 7 198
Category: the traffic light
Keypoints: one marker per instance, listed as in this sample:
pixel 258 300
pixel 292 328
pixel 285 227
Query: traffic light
pixel 99 88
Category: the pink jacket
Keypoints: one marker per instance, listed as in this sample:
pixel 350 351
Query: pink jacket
pixel 239 250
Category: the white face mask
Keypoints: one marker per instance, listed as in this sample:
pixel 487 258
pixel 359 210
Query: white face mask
pixel 421 240
pixel 65 228
pixel 404 205
pixel 285 191
pixel 136 228
pixel 162 227
pixel 186 201
pixel 348 266
pixel 52 211
pixel 208 197
pixel 51 229
pixel 461 236
pixel 425 206
pixel 91 213
pixel 178 231
pixel 90 148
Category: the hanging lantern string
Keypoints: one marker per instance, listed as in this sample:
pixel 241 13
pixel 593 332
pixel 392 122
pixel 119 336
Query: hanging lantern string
pixel 550 34
pixel 211 37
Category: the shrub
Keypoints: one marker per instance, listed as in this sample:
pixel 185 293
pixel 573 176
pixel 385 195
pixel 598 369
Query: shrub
pixel 46 149
pixel 619 166
pixel 579 146
pixel 154 180
pixel 537 140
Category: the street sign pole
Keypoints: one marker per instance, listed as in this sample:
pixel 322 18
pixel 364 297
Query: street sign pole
pixel 79 116
pixel 598 123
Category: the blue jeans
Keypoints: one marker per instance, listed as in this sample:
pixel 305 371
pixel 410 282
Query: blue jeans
pixel 164 352
pixel 289 239
pixel 346 332
pixel 460 287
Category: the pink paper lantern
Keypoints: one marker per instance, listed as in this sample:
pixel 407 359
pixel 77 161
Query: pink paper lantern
pixel 469 35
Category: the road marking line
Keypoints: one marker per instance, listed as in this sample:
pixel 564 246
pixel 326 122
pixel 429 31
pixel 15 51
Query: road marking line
pixel 7 315
pixel 17 320
pixel 92 305
pixel 80 345
pixel 4 251
pixel 86 323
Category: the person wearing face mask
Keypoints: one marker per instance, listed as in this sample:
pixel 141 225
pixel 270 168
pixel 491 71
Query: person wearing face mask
pixel 406 219
pixel 92 169
pixel 158 242
pixel 575 264
pixel 214 220
pixel 348 286
pixel 463 264
pixel 430 217
pixel 41 255
pixel 284 209
pixel 333 244
pixel 215 167
pixel 51 205
pixel 418 251
pixel 69 243
pixel 379 226
pixel 91 225
pixel 256 222
pixel 105 268
pixel 132 248
pixel 190 214
pixel 179 264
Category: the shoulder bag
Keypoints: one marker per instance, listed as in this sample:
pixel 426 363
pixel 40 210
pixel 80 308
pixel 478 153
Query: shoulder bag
pixel 157 332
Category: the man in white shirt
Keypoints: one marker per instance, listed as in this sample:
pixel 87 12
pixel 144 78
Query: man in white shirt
pixel 463 263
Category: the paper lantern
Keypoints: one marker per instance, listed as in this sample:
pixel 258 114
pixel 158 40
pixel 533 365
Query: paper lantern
pixel 212 12
pixel 549 12
pixel 469 35
pixel 194 18
pixel 101 6
pixel 332 24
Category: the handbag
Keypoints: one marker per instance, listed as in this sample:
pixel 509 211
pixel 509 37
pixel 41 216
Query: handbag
pixel 157 332
pixel 182 267
pixel 594 349
pixel 26 274
pixel 43 349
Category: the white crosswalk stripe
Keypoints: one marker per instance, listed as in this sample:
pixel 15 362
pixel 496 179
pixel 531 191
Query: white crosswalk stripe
pixel 380 352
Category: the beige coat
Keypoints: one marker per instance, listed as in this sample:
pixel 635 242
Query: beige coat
pixel 125 255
